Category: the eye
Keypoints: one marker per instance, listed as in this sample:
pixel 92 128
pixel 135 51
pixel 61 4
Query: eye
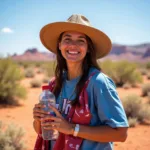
pixel 67 40
pixel 81 41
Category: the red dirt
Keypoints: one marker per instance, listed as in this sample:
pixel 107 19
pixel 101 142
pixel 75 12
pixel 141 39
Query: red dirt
pixel 138 137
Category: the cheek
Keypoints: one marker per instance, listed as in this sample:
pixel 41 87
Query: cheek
pixel 84 50
pixel 62 46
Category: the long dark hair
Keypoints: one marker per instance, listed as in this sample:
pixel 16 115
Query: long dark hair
pixel 61 66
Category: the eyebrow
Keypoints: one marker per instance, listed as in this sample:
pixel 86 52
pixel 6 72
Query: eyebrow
pixel 68 35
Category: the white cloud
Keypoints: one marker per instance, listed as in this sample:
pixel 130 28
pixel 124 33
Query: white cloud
pixel 7 30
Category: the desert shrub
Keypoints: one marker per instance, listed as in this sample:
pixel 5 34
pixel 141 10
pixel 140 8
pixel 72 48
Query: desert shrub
pixel 143 71
pixel 29 73
pixel 34 64
pixel 38 64
pixel 132 105
pixel 49 68
pixel 40 70
pixel 10 77
pixel 148 65
pixel 26 64
pixel 11 137
pixel 132 122
pixel 35 83
pixel 122 72
pixel 126 86
pixel 135 85
pixel 135 109
pixel 20 63
pixel 148 96
pixel 46 80
pixel 144 113
pixel 145 89
pixel 148 76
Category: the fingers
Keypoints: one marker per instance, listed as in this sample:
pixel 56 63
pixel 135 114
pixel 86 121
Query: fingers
pixel 38 111
pixel 51 118
pixel 56 111
pixel 51 122
pixel 51 125
pixel 39 108
pixel 38 115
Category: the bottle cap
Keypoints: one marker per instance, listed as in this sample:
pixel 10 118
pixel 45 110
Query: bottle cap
pixel 45 87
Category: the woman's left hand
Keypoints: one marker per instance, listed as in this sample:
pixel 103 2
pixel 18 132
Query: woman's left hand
pixel 58 123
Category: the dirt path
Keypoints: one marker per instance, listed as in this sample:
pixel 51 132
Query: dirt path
pixel 138 137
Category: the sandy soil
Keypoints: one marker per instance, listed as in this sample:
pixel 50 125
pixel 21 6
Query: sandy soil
pixel 138 137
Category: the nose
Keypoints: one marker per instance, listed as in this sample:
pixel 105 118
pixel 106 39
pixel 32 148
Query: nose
pixel 73 43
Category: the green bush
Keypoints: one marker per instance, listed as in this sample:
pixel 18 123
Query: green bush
pixel 10 77
pixel 122 72
pixel 143 71
pixel 38 64
pixel 148 96
pixel 49 68
pixel 148 65
pixel 26 64
pixel 29 73
pixel 145 89
pixel 35 83
pixel 135 109
pixel 11 137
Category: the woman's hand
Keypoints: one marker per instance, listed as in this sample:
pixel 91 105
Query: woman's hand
pixel 38 112
pixel 58 123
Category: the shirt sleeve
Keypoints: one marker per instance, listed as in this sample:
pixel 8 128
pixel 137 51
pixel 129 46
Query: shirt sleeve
pixel 109 106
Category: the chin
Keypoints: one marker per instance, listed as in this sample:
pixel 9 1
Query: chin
pixel 73 61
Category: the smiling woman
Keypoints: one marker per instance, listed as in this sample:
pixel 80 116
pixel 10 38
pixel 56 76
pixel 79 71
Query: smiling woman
pixel 89 113
pixel 73 46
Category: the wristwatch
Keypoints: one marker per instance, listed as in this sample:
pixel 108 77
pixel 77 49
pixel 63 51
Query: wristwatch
pixel 76 130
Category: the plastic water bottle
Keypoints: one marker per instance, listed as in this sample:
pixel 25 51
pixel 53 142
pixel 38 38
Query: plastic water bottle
pixel 47 98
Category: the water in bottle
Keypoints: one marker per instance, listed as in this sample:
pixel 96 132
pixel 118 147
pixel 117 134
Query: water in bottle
pixel 47 98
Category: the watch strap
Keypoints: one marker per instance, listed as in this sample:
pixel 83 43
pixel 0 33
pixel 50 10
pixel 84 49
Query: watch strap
pixel 76 130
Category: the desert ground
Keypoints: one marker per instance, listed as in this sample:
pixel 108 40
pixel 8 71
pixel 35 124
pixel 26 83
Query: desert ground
pixel 138 137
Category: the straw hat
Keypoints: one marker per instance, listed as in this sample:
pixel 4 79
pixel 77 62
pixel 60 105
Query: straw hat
pixel 50 33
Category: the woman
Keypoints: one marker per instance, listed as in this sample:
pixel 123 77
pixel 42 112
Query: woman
pixel 86 122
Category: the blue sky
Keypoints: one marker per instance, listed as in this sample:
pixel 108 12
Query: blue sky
pixel 124 21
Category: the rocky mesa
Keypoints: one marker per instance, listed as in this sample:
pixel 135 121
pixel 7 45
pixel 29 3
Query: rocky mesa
pixel 136 53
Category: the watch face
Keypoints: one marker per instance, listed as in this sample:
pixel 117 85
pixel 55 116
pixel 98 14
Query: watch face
pixel 76 130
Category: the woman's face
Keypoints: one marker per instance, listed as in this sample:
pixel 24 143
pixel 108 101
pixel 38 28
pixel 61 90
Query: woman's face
pixel 73 46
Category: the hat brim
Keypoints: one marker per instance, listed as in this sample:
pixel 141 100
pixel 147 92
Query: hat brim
pixel 50 33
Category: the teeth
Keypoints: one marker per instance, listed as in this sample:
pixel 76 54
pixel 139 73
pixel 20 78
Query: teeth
pixel 71 52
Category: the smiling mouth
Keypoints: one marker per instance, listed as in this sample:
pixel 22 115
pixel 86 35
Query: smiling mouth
pixel 73 52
